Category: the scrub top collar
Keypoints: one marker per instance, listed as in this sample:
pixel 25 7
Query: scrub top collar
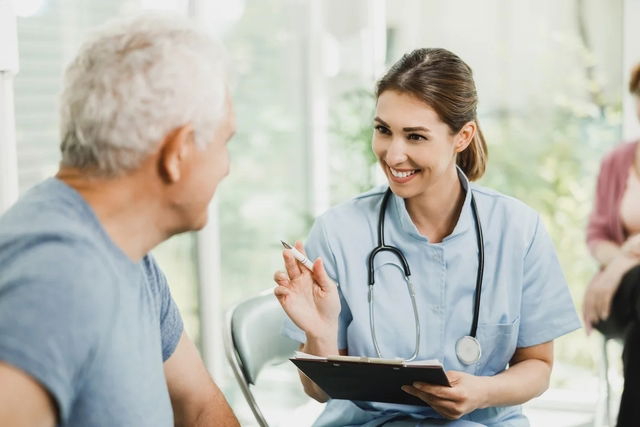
pixel 465 221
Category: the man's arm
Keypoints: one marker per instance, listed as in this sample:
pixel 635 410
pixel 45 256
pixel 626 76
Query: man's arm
pixel 195 398
pixel 23 401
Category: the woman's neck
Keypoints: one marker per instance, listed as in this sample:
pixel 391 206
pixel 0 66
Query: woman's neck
pixel 436 211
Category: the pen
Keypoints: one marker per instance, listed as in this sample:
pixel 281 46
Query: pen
pixel 299 256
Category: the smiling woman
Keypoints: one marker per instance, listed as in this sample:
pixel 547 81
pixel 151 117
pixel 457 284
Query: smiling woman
pixel 426 75
pixel 453 234
pixel 428 133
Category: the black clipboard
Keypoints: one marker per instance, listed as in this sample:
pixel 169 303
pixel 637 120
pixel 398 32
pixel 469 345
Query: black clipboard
pixel 367 381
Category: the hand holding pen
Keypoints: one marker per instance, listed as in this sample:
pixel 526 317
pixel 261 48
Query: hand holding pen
pixel 298 255
pixel 307 294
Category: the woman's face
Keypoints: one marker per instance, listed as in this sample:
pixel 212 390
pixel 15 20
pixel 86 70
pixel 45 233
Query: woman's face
pixel 416 149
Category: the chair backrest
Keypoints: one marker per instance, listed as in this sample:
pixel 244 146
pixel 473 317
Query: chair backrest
pixel 253 341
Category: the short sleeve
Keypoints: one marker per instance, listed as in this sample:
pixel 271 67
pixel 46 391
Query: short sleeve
pixel 317 245
pixel 171 325
pixel 547 308
pixel 53 316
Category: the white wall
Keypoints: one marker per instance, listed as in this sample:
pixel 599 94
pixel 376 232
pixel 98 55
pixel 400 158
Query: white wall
pixel 631 56
pixel 516 49
pixel 8 69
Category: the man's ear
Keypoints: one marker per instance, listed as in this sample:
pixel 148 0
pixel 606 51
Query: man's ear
pixel 174 150
pixel 465 136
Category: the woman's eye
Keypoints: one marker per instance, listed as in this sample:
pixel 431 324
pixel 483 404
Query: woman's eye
pixel 382 129
pixel 416 137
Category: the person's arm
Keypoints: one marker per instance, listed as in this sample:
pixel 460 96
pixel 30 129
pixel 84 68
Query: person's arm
pixel 312 302
pixel 527 377
pixel 605 251
pixel 318 348
pixel 596 304
pixel 23 401
pixel 195 398
pixel 598 233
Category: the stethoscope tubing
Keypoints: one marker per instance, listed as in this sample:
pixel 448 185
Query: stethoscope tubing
pixel 480 273
pixel 382 247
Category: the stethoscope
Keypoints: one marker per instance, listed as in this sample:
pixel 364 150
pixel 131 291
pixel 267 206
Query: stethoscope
pixel 468 347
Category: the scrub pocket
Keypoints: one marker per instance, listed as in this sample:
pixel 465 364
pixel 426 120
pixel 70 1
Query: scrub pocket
pixel 498 341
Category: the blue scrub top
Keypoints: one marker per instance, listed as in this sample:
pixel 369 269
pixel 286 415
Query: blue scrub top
pixel 525 299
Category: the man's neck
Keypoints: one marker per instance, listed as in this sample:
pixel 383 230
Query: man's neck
pixel 125 207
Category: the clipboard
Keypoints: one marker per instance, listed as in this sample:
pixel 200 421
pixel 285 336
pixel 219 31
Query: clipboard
pixel 369 379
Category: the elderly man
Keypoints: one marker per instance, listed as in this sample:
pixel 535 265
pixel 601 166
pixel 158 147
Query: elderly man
pixel 89 333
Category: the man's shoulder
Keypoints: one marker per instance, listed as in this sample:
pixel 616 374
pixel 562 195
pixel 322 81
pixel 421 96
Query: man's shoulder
pixel 50 207
pixel 65 264
pixel 47 239
pixel 46 248
pixel 153 274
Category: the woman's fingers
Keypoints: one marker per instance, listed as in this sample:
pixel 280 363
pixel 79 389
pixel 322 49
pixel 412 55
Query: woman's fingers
pixel 281 278
pixel 300 247
pixel 605 305
pixel 438 404
pixel 437 392
pixel 281 291
pixel 320 275
pixel 417 393
pixel 291 264
pixel 590 309
pixel 601 297
pixel 598 307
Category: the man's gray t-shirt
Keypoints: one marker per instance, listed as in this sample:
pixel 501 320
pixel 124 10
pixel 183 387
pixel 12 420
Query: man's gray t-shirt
pixel 89 324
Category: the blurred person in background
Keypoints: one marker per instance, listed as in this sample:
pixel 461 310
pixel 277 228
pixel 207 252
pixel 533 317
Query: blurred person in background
pixel 89 332
pixel 612 299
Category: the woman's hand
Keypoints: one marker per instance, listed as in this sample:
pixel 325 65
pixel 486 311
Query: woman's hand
pixel 600 292
pixel 310 299
pixel 466 394
pixel 631 246
pixel 527 377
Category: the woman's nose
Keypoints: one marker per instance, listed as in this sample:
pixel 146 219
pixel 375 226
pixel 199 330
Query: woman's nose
pixel 396 152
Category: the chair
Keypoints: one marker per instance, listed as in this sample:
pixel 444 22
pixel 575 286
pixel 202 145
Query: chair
pixel 604 415
pixel 252 341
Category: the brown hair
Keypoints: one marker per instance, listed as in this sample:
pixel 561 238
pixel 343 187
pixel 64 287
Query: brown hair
pixel 634 82
pixel 442 80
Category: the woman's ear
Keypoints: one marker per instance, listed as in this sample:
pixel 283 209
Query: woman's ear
pixel 465 136
pixel 174 151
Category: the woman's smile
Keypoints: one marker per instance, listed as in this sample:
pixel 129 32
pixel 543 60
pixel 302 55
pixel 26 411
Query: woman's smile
pixel 402 176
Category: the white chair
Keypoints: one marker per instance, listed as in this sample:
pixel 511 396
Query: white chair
pixel 252 341
pixel 604 414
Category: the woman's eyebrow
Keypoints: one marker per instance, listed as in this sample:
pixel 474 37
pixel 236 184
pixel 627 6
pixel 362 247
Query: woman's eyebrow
pixel 382 122
pixel 407 129
pixel 416 128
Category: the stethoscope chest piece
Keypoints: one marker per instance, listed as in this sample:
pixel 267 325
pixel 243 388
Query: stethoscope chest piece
pixel 468 350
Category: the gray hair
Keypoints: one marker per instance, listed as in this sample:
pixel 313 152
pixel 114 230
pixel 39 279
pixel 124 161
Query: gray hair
pixel 131 84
